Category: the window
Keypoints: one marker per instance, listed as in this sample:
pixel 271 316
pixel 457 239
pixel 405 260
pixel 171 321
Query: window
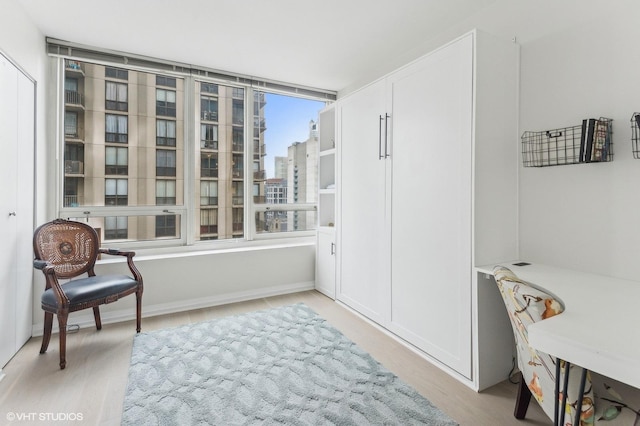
pixel 209 164
pixel 162 80
pixel 116 161
pixel 116 128
pixel 166 102
pixel 71 124
pixel 208 193
pixel 74 158
pixel 209 88
pixel 165 163
pixel 166 226
pixel 165 192
pixel 116 192
pixel 209 136
pixel 72 94
pixel 165 133
pixel 116 96
pixel 116 73
pixel 208 108
pixel 116 228
pixel 220 168
pixel 208 223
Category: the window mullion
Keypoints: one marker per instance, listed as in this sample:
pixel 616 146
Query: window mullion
pixel 191 140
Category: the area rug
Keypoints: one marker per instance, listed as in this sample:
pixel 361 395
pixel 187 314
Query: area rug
pixel 280 366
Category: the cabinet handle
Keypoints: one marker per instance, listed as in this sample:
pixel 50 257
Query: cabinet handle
pixel 12 213
pixel 333 248
pixel 386 133
pixel 380 138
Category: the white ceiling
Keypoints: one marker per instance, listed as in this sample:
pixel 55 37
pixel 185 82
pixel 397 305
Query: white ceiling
pixel 326 44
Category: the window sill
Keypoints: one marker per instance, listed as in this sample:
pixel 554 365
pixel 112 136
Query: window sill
pixel 204 249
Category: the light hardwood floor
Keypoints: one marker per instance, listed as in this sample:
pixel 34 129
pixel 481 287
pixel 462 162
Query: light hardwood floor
pixel 94 382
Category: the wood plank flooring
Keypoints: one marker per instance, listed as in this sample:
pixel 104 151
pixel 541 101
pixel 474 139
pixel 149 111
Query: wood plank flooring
pixel 93 384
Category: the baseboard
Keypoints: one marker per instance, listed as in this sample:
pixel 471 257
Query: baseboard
pixel 180 306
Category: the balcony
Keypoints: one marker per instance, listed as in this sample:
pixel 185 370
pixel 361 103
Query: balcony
pixel 73 67
pixel 259 199
pixel 209 115
pixel 73 99
pixel 259 175
pixel 207 144
pixel 73 167
pixel 72 200
pixel 237 147
pixel 237 200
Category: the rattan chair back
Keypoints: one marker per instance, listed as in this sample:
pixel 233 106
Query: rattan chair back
pixel 71 247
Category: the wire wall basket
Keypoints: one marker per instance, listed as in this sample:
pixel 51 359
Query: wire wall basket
pixel 587 143
pixel 635 135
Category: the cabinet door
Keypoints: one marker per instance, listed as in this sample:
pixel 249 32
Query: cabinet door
pixel 431 103
pixel 326 263
pixel 8 199
pixel 363 280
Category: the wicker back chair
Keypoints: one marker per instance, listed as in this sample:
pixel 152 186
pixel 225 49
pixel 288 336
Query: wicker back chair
pixel 66 250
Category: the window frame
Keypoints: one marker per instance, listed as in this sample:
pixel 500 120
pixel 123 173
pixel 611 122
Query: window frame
pixel 185 213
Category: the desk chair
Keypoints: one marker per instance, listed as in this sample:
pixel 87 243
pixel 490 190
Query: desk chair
pixel 65 250
pixel 541 374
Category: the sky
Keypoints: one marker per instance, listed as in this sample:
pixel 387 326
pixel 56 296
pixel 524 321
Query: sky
pixel 287 120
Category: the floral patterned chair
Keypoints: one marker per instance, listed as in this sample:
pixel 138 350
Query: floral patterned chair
pixel 527 304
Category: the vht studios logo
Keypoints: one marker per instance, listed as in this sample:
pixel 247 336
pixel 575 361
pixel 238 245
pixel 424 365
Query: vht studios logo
pixel 44 417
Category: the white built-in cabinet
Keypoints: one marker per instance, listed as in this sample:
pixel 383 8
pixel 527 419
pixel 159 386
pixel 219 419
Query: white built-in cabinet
pixel 17 114
pixel 427 177
pixel 326 243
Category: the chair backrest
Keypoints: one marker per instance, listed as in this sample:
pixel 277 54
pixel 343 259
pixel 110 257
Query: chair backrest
pixel 527 304
pixel 70 247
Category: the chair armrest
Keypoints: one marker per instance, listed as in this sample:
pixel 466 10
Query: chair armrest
pixel 117 252
pixel 39 264
pixel 51 280
pixel 129 255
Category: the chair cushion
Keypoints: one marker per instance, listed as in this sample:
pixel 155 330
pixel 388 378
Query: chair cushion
pixel 89 289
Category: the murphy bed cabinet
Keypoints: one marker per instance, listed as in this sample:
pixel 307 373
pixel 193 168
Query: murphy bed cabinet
pixel 427 172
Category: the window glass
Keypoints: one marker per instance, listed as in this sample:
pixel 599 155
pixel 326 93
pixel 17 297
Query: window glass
pixel 125 156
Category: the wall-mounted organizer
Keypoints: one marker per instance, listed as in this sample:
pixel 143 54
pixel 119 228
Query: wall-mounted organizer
pixel 589 142
pixel 635 135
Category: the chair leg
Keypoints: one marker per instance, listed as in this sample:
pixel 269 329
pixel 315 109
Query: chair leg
pixel 96 316
pixel 62 324
pixel 138 310
pixel 522 400
pixel 46 336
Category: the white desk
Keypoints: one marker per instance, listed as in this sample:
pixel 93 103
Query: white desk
pixel 600 327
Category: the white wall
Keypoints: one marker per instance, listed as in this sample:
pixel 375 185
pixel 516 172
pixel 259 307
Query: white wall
pixel 579 59
pixel 584 216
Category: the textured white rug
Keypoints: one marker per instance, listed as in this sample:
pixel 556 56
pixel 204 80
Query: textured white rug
pixel 280 366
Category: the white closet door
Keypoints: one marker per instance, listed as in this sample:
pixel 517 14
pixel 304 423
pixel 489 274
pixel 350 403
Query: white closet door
pixel 8 201
pixel 24 215
pixel 431 204
pixel 16 208
pixel 362 244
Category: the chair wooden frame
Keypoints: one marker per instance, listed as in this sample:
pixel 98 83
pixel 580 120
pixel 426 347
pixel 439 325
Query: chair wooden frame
pixel 65 250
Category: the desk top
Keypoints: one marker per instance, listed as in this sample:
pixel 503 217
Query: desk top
pixel 600 327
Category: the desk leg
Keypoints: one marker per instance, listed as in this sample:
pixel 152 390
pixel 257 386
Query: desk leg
pixel 562 402
pixel 583 380
pixel 565 385
pixel 557 394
